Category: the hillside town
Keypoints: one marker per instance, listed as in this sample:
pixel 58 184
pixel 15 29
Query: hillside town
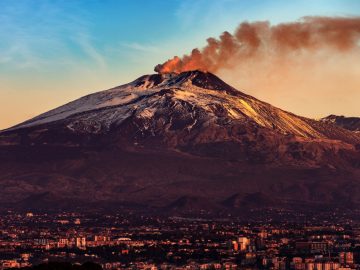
pixel 133 241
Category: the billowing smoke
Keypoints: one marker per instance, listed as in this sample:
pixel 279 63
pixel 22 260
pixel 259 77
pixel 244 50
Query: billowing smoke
pixel 310 67
pixel 252 40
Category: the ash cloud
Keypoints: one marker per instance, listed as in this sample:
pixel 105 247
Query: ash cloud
pixel 251 40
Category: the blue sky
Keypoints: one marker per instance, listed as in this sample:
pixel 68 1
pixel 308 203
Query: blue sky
pixel 52 51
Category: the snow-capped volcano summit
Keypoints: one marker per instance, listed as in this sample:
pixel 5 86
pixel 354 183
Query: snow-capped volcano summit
pixel 184 101
pixel 169 137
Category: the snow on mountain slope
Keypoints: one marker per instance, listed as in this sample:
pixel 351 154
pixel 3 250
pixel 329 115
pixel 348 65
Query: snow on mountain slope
pixel 198 98
pixel 121 95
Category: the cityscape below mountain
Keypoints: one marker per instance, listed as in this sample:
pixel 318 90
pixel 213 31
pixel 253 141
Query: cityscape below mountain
pixel 239 151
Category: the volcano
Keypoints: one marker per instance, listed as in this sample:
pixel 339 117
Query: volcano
pixel 178 142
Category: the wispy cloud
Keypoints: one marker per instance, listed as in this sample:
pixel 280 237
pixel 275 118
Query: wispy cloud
pixel 47 38
pixel 141 47
pixel 85 42
pixel 202 13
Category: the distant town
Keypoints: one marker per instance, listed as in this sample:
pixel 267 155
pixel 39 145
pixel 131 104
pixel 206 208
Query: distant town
pixel 135 241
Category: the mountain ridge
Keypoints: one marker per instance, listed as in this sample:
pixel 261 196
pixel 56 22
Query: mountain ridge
pixel 349 123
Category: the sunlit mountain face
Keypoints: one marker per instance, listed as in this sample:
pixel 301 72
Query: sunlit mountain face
pixel 176 142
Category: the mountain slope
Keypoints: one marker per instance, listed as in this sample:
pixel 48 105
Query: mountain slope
pixel 174 141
